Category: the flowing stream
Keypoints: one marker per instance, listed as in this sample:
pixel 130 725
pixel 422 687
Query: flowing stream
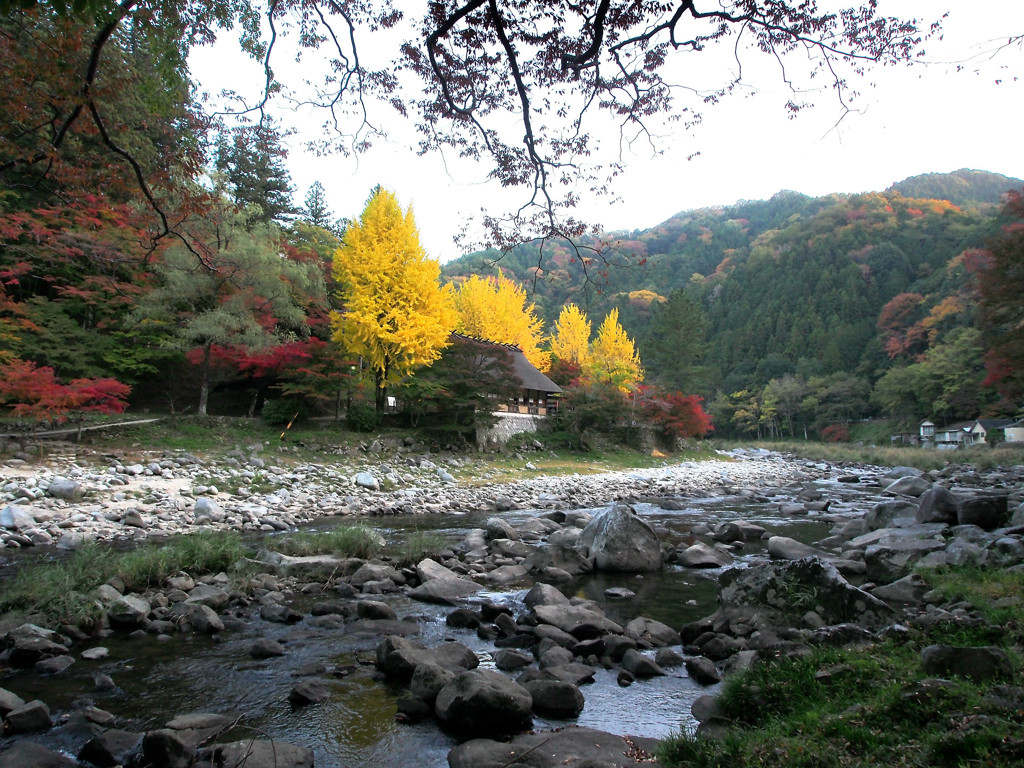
pixel 155 681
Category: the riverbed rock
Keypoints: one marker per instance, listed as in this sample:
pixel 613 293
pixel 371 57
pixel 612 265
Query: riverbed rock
pixel 209 594
pixel 544 594
pixel 986 512
pixel 166 748
pixel 884 514
pixel 654 633
pixel 53 665
pixel 702 670
pixel 28 643
pixel 737 530
pixel 28 754
pixel 783 591
pixel 428 679
pixel 308 692
pixel 785 548
pixel 484 702
pixel 304 566
pixel 444 591
pixel 265 648
pixel 937 505
pixel 701 555
pixel 893 558
pixel 640 666
pixel 557 557
pixel 497 528
pixel 128 611
pixel 31 716
pixel 257 753
pixel 199 618
pixel 578 621
pixel 66 489
pixel 574 747
pixel 8 701
pixel 617 539
pixel 15 518
pixel 555 699
pixel 978 664
pixel 909 485
pixel 113 747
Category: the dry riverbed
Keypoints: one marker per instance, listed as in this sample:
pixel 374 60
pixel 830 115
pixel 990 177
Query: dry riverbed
pixel 65 500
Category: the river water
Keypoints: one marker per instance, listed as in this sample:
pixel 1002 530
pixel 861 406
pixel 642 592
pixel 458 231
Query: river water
pixel 155 681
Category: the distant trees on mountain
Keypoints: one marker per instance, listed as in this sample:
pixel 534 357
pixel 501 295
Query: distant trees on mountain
pixel 793 313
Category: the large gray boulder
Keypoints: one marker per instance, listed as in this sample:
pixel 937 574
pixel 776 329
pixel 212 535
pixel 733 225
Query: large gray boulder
pixel 544 594
pixel 893 558
pixel 909 486
pixel 484 702
pixel 129 611
pixel 986 512
pixel 65 488
pixel 556 699
pixel 619 540
pixel 567 747
pixel 937 505
pixel 782 592
pixel 886 513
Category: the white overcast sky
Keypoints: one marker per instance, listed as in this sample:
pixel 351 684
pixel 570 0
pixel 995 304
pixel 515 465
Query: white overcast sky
pixel 962 107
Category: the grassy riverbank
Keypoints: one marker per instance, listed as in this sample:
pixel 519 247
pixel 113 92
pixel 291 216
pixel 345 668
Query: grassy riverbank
pixel 870 706
pixel 62 591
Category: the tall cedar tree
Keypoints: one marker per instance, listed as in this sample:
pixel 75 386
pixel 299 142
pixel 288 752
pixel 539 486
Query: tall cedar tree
pixel 252 159
pixel 496 309
pixel 1001 285
pixel 674 345
pixel 397 315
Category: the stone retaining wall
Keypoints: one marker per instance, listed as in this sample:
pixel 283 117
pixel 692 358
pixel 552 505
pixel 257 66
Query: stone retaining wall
pixel 508 424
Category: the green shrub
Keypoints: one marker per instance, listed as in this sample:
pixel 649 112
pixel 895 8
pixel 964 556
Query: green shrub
pixel 284 410
pixel 362 416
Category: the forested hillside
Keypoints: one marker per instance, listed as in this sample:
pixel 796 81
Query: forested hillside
pixel 828 294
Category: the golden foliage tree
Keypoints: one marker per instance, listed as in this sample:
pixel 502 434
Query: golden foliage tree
pixel 396 314
pixel 496 309
pixel 571 340
pixel 613 356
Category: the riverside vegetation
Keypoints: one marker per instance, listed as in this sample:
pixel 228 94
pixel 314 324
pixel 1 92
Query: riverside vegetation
pixel 873 701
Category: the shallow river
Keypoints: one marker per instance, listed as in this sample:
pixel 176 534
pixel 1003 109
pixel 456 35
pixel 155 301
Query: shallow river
pixel 356 726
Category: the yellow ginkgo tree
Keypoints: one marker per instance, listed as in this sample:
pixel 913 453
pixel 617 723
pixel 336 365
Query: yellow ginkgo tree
pixel 571 340
pixel 613 356
pixel 496 309
pixel 396 314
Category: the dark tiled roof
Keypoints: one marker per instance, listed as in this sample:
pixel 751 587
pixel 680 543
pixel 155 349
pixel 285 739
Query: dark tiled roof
pixel 526 371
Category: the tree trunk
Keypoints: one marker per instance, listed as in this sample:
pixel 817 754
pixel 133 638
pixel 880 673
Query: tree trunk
pixel 380 398
pixel 204 386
